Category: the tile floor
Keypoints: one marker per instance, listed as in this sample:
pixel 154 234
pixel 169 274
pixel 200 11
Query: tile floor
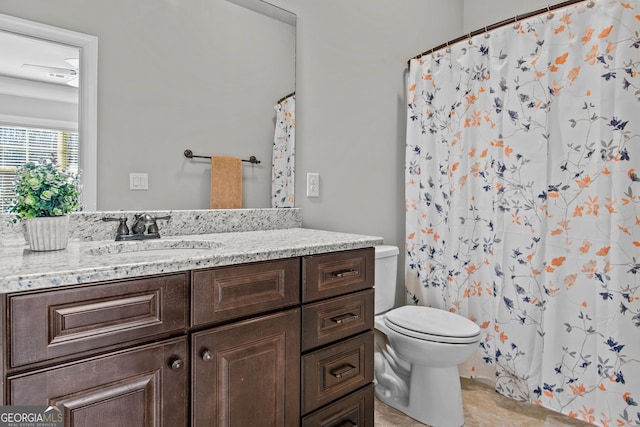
pixel 483 407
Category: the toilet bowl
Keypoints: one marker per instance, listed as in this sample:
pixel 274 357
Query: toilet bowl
pixel 418 350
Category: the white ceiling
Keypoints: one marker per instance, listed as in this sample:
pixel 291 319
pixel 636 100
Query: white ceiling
pixel 17 50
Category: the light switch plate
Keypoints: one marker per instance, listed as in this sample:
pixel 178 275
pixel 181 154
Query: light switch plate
pixel 313 185
pixel 138 181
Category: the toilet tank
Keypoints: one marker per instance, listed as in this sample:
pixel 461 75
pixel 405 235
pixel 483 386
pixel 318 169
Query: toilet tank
pixel 385 277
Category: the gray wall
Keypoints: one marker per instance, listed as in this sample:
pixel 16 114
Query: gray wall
pixel 173 75
pixel 352 57
pixel 351 119
pixel 479 14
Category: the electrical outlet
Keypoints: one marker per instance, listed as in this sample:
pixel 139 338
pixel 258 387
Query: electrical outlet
pixel 138 181
pixel 313 185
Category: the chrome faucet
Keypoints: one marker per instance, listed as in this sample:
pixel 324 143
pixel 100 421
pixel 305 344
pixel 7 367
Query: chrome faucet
pixel 142 222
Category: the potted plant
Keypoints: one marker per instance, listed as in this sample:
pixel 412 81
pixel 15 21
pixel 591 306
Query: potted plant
pixel 44 195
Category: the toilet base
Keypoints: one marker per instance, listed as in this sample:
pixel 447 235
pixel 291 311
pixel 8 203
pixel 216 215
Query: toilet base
pixel 435 396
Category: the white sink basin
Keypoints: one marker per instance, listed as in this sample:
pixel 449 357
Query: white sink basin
pixel 156 247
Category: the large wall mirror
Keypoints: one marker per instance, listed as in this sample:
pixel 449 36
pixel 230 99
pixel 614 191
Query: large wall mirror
pixel 204 75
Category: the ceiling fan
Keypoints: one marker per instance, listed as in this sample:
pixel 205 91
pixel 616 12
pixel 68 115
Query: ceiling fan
pixel 70 74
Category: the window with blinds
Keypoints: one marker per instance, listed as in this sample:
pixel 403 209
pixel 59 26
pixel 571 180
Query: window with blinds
pixel 19 145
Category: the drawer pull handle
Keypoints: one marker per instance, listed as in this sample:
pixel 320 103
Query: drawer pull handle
pixel 343 274
pixel 206 356
pixel 344 318
pixel 340 372
pixel 347 423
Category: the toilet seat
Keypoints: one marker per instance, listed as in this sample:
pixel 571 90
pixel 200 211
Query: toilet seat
pixel 431 324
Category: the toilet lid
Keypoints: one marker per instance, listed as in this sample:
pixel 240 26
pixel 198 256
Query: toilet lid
pixel 432 324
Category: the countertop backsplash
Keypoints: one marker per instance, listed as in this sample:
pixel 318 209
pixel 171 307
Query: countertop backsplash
pixel 89 226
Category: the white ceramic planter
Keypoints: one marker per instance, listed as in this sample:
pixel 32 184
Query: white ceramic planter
pixel 47 233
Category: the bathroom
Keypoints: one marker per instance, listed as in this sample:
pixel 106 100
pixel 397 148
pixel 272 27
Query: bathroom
pixel 351 59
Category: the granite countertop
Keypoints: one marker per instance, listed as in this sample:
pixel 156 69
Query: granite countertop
pixel 93 261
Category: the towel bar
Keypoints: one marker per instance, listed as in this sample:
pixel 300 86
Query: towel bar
pixel 189 155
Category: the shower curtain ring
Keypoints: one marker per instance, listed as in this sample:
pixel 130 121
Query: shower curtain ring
pixel 550 15
pixel 516 24
pixel 448 50
pixel 486 33
pixel 591 4
pixel 470 41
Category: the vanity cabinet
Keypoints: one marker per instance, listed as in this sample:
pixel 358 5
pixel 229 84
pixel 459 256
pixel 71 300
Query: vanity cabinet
pixel 275 343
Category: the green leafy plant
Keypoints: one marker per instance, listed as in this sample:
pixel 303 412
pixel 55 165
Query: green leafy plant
pixel 43 190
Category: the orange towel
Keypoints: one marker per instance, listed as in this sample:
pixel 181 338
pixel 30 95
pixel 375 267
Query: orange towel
pixel 226 182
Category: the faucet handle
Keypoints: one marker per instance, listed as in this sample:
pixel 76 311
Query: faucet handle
pixel 108 218
pixel 153 227
pixel 122 230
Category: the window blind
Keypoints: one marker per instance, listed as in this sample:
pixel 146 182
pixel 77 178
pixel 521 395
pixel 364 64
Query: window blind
pixel 19 145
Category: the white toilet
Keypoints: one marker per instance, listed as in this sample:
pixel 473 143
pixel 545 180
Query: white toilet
pixel 418 350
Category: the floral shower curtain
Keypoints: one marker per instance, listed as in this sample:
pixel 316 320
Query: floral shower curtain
pixel 283 166
pixel 523 205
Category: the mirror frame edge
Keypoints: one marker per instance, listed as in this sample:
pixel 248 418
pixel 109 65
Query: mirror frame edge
pixel 87 94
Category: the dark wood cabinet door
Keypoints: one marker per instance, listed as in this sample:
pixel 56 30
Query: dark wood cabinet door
pixel 146 386
pixel 248 373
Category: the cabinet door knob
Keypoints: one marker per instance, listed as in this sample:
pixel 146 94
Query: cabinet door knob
pixel 176 364
pixel 347 423
pixel 207 356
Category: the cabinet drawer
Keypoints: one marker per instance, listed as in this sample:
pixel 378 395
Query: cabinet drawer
pixel 64 322
pixel 354 410
pixel 337 273
pixel 231 292
pixel 333 372
pixel 340 317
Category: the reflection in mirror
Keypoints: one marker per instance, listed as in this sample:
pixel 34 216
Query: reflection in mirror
pixel 253 116
pixel 38 106
pixel 204 75
pixel 256 104
pixel 284 144
pixel 40 99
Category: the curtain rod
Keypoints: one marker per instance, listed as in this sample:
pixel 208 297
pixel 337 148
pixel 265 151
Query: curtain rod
pixel 285 97
pixel 500 24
